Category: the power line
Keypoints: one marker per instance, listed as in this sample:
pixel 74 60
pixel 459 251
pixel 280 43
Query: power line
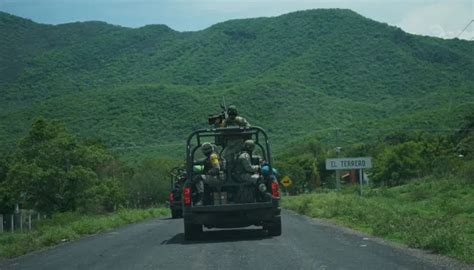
pixel 465 28
pixel 147 146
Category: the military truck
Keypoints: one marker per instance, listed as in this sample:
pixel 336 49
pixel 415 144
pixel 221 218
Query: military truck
pixel 230 203
pixel 177 175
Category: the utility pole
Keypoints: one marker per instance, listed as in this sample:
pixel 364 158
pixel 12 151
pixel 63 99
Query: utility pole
pixel 338 150
pixel 338 172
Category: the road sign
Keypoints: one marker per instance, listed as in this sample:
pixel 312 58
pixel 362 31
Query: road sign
pixel 348 163
pixel 286 181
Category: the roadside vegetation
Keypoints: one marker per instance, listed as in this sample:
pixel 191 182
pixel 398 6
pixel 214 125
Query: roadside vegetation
pixel 79 187
pixel 421 191
pixel 52 171
pixel 63 227
pixel 399 157
pixel 432 213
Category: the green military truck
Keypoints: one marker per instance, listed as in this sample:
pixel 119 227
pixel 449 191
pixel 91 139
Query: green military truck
pixel 178 176
pixel 230 203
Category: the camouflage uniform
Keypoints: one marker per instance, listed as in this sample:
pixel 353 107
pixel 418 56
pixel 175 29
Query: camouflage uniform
pixel 246 171
pixel 234 119
pixel 211 173
pixel 233 146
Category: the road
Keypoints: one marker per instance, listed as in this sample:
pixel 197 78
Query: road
pixel 159 244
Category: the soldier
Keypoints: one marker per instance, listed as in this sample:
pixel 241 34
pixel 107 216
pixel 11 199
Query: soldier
pixel 180 179
pixel 211 172
pixel 234 119
pixel 248 172
pixel 233 146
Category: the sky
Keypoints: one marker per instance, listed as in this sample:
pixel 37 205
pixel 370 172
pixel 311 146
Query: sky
pixel 439 18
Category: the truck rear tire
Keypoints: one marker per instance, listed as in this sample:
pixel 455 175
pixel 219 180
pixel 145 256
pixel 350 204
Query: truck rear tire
pixel 192 231
pixel 274 228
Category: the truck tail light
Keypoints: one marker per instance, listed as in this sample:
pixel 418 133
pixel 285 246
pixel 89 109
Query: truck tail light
pixel 171 197
pixel 275 191
pixel 187 196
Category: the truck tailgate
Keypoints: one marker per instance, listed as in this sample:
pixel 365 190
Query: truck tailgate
pixel 232 207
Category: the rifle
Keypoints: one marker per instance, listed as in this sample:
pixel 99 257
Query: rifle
pixel 224 108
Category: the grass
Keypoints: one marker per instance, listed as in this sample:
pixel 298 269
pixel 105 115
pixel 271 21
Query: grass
pixel 70 226
pixel 432 214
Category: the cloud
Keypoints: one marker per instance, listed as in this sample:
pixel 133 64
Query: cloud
pixel 441 19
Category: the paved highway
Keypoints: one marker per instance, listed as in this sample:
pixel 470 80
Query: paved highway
pixel 159 244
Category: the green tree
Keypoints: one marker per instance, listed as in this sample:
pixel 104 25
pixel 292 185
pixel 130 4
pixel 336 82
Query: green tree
pixel 6 199
pixel 52 171
pixel 150 183
pixel 399 163
pixel 303 171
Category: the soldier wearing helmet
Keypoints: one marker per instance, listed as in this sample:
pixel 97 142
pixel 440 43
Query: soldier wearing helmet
pixel 211 173
pixel 234 119
pixel 246 170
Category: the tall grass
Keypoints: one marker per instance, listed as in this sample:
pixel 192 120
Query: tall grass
pixel 70 226
pixel 433 214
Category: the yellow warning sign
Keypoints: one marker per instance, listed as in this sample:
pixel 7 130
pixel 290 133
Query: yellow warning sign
pixel 286 181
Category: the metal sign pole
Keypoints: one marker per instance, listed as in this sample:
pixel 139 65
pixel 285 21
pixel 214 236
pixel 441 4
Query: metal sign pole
pixel 360 181
pixel 338 172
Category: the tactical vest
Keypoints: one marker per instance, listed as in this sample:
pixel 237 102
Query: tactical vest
pixel 211 162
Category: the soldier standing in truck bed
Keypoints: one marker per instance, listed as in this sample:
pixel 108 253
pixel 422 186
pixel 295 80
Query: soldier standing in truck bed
pixel 233 146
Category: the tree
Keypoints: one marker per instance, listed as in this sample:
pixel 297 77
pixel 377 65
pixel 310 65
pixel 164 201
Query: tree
pixel 150 183
pixel 6 199
pixel 302 170
pixel 52 171
pixel 399 163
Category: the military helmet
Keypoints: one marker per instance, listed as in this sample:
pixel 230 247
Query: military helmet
pixel 232 110
pixel 249 145
pixel 207 148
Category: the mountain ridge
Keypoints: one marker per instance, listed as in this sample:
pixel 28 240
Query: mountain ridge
pixel 315 65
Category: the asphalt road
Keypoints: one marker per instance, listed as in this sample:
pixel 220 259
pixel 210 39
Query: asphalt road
pixel 159 244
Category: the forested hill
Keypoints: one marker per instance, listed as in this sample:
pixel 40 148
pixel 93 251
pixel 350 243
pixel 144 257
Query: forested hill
pixel 307 72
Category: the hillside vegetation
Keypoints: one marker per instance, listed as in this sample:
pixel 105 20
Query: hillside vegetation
pixel 142 90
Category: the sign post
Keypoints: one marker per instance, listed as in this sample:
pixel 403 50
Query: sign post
pixel 358 163
pixel 338 174
pixel 286 182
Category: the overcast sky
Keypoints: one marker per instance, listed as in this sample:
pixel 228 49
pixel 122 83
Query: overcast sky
pixel 440 18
